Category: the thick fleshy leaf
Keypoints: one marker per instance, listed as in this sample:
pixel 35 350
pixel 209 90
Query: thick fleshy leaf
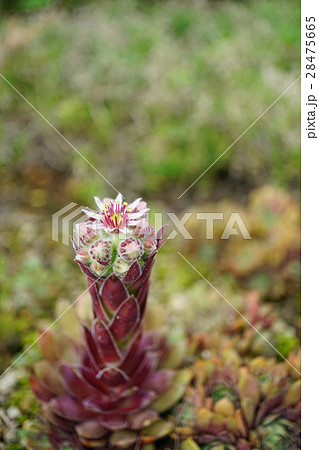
pixel 70 408
pixel 75 384
pixel 114 422
pixel 123 439
pixel 157 430
pixel 40 390
pixel 90 376
pixel 160 381
pixel 92 349
pixel 146 271
pixel 160 232
pixel 105 342
pixel 48 346
pixel 293 394
pixel 91 429
pixel 113 292
pixel 60 422
pixel 87 271
pixel 143 370
pixel 113 376
pixel 133 355
pixel 142 296
pixel 125 319
pixel 139 400
pixel 169 398
pixel 49 375
pixel 98 308
pixel 100 403
pixel 143 419
pixel 133 273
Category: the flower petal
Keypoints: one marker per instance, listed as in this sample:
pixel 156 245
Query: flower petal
pixel 134 204
pixel 119 198
pixel 92 214
pixel 99 203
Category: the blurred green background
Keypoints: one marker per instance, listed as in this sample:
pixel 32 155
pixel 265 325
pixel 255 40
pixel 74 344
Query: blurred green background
pixel 151 93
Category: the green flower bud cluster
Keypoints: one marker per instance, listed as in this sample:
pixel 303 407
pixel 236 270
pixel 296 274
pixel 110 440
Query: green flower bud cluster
pixel 105 252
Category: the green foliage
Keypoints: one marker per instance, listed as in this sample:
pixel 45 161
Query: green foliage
pixel 153 93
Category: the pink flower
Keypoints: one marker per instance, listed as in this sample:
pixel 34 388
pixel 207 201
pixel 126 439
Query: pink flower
pixel 118 216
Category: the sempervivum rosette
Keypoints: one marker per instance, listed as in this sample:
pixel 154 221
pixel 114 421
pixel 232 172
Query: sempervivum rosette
pixel 234 406
pixel 111 386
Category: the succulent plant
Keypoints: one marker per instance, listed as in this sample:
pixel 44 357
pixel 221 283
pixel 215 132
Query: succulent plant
pixel 232 406
pixel 238 332
pixel 116 240
pixel 109 386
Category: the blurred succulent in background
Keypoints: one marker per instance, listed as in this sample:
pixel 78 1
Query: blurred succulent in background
pixel 109 385
pixel 269 262
pixel 233 406
pixel 264 319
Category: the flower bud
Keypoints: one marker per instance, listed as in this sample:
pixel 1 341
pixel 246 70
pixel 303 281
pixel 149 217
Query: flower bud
pixel 130 249
pixel 100 250
pixel 150 246
pixel 98 268
pixel 142 229
pixel 120 267
pixel 86 233
pixel 82 255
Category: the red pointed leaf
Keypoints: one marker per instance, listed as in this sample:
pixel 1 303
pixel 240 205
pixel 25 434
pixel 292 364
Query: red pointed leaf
pixel 90 376
pixel 100 403
pixel 160 232
pixel 105 342
pixel 98 308
pixel 64 424
pixel 113 376
pixel 142 296
pixel 125 319
pixel 75 384
pixel 139 400
pixel 143 371
pixel 133 273
pixel 70 408
pixel 160 381
pixel 87 271
pixel 133 356
pixel 113 422
pixel 146 271
pixel 40 390
pixel 113 292
pixel 92 350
